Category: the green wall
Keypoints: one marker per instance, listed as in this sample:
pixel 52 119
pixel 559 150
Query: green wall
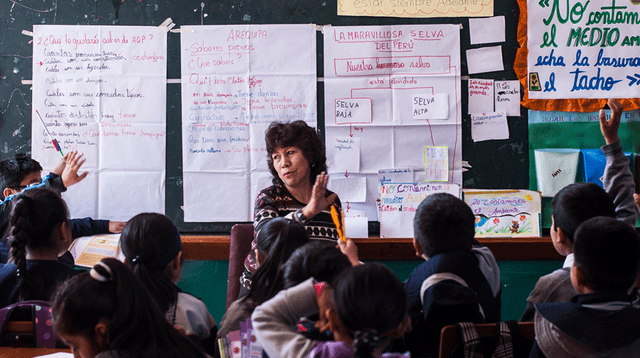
pixel 208 281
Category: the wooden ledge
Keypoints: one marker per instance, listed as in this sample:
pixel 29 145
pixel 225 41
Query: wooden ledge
pixel 209 247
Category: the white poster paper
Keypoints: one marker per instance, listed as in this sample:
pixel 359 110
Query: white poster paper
pixel 346 155
pixel 487 126
pixel 555 169
pixel 399 202
pixel 480 95
pixel 101 90
pixel 392 66
pixel 485 59
pixel 486 30
pixel 508 97
pixel 583 49
pixel 349 189
pixel 236 80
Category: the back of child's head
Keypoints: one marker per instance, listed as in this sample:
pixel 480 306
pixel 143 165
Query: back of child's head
pixel 13 170
pixel 443 223
pixel 575 203
pixel 318 259
pixel 370 302
pixel 111 294
pixel 35 219
pixel 277 240
pixel 607 251
pixel 151 241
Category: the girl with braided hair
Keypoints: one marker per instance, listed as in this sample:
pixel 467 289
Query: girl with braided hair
pixel 365 309
pixel 40 232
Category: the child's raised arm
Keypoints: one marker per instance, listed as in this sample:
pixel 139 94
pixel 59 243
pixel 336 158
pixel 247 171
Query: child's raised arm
pixel 74 161
pixel 617 179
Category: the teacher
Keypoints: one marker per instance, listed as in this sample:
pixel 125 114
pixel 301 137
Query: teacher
pixel 298 163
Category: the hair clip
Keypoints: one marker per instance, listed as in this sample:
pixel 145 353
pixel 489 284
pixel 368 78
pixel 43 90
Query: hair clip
pixel 97 275
pixel 18 272
pixel 137 260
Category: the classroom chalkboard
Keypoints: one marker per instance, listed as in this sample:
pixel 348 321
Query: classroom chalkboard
pixel 496 164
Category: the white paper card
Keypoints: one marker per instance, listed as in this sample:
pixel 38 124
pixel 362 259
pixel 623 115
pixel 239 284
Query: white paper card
pixel 398 175
pixel 485 59
pixel 436 163
pixel 346 155
pixel 480 95
pixel 508 97
pixel 356 227
pixel 399 202
pixel 486 30
pixel 431 106
pixel 487 126
pixel 353 110
pixel 351 189
pixel 555 169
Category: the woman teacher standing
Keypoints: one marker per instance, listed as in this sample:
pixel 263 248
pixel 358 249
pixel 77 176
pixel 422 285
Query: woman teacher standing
pixel 297 161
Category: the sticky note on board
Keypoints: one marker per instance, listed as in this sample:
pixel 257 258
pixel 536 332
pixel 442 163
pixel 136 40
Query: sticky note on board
pixel 436 163
pixel 431 106
pixel 507 97
pixel 486 30
pixel 488 126
pixel 353 110
pixel 480 95
pixel 485 59
pixel 346 155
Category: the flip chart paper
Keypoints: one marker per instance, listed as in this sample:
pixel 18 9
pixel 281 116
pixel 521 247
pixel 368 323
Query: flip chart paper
pixel 480 95
pixel 352 189
pixel 555 169
pixel 346 157
pixel 391 66
pixel 485 59
pixel 591 56
pixel 399 202
pixel 509 213
pixel 431 106
pixel 101 90
pixel 415 8
pixel 486 30
pixel 236 80
pixel 507 97
pixel 487 126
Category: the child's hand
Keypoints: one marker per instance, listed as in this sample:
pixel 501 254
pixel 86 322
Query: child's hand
pixel 59 168
pixel 350 250
pixel 70 173
pixel 609 128
pixel 116 227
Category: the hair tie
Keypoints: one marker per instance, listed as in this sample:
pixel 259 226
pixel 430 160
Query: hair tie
pixel 98 276
pixel 137 260
pixel 367 339
pixel 18 272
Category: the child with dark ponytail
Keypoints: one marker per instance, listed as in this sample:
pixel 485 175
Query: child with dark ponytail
pixel 365 309
pixel 153 249
pixel 40 232
pixel 107 313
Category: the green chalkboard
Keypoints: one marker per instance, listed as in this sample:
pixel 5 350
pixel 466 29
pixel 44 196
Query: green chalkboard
pixel 495 164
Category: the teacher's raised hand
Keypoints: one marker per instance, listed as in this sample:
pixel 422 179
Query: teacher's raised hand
pixel 319 201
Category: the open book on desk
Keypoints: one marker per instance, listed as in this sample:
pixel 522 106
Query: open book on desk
pixel 87 250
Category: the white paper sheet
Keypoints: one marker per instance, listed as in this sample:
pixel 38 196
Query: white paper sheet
pixel 353 110
pixel 431 106
pixel 398 175
pixel 236 80
pixel 555 169
pixel 507 97
pixel 349 189
pixel 101 90
pixel 399 202
pixel 346 158
pixel 356 227
pixel 420 61
pixel 486 30
pixel 487 126
pixel 484 59
pixel 480 95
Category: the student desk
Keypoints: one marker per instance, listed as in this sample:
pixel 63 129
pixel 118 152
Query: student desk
pixel 29 352
pixel 202 247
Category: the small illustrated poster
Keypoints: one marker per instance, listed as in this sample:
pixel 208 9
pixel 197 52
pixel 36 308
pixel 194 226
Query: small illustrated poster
pixel 509 213
pixel 436 163
pixel 399 202
pixel 88 250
